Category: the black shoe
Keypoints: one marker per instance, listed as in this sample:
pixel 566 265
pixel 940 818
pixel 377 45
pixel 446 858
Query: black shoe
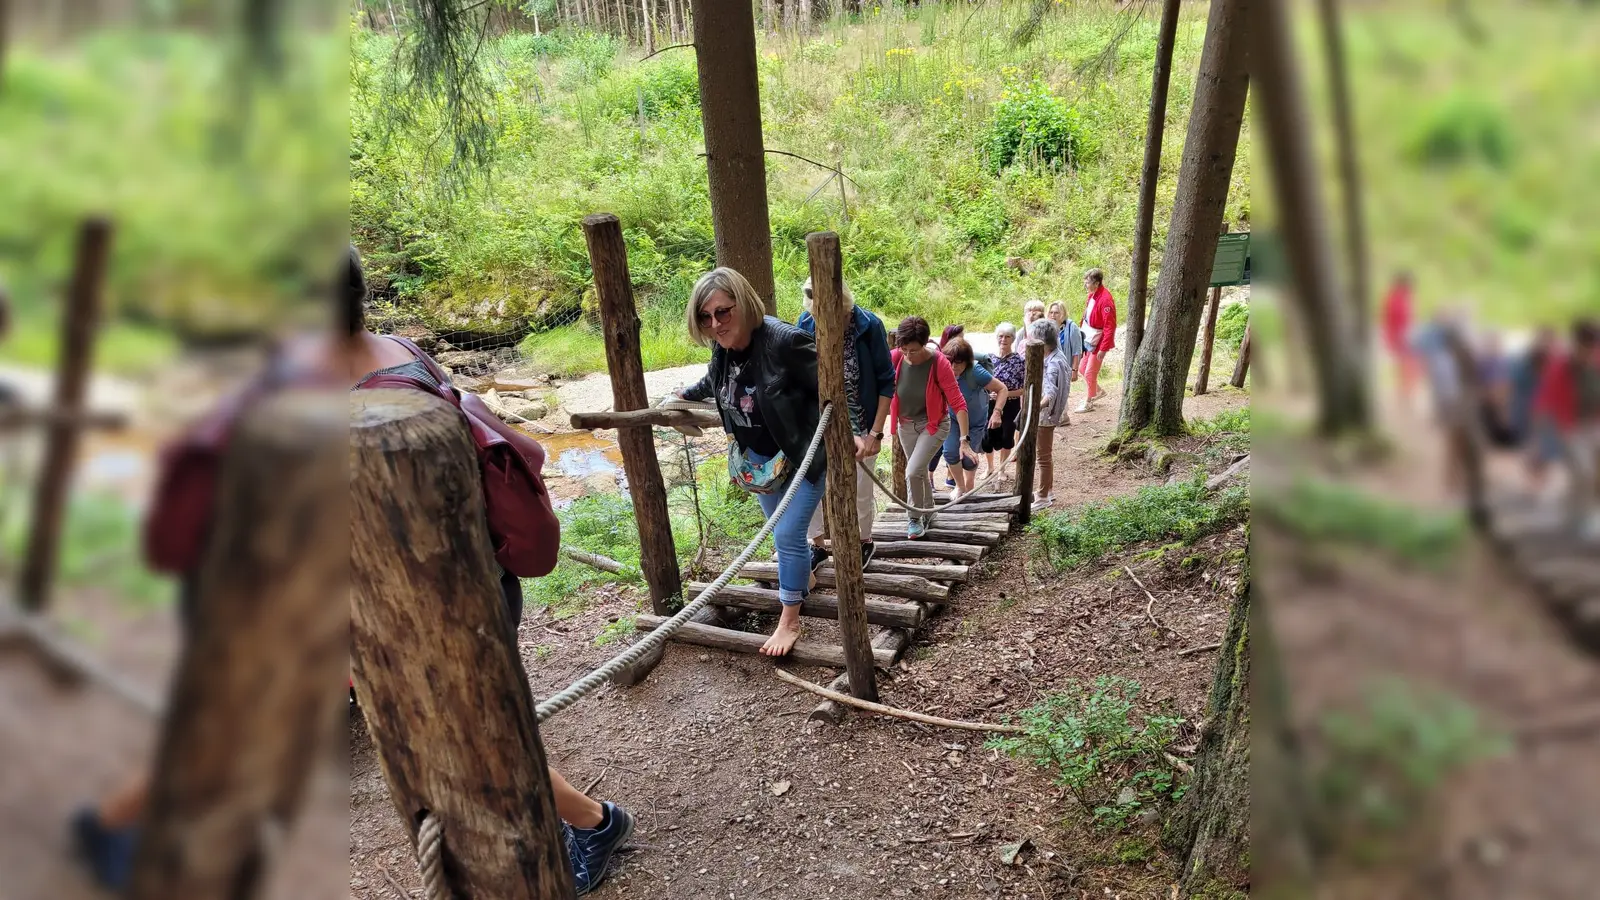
pixel 867 549
pixel 819 555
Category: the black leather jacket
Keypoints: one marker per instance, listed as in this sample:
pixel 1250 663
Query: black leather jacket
pixel 786 361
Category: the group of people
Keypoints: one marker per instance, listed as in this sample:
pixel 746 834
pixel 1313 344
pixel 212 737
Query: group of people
pixel 940 401
pixel 1538 395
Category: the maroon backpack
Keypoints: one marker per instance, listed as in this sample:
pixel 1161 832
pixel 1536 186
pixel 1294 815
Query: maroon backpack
pixel 522 523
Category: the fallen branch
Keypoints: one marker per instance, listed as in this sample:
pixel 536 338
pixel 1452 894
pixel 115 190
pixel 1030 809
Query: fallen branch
pixel 1147 607
pixel 597 779
pixel 594 560
pixel 394 884
pixel 880 709
pixel 1200 649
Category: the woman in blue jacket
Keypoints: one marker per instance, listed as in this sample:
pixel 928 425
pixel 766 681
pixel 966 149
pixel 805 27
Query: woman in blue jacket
pixel 868 388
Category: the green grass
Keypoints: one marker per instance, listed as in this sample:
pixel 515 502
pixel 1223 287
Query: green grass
pixel 913 101
pixel 1181 512
pixel 100 548
pixel 1320 511
pixel 1228 421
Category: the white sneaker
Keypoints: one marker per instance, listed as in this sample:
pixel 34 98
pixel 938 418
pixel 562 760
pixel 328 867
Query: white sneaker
pixel 1084 406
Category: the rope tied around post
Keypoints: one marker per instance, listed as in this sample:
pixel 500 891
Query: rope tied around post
pixel 430 859
pixel 583 686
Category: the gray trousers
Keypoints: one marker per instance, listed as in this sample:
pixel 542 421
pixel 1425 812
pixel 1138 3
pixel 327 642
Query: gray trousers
pixel 920 448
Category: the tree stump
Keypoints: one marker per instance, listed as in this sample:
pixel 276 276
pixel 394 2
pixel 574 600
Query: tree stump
pixel 257 692
pixel 440 681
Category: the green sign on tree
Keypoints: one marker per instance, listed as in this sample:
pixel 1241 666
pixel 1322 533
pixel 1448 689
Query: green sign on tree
pixel 1228 266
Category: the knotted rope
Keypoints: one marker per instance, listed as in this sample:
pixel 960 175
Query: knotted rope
pixel 656 638
pixel 430 859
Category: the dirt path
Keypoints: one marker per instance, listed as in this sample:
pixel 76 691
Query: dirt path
pixel 874 808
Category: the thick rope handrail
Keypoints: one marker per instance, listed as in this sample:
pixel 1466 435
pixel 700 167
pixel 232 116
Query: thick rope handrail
pixel 1022 435
pixel 430 858
pixel 581 688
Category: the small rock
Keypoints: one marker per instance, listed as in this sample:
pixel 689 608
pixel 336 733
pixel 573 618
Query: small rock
pixel 1126 795
pixel 531 410
pixel 779 788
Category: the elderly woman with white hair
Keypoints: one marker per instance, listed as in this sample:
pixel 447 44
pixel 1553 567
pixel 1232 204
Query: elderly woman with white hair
pixel 763 376
pixel 868 391
pixel 1009 366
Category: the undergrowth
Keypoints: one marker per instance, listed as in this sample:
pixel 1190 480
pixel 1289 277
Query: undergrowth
pixel 99 548
pixel 1092 747
pixel 1183 511
pixel 1320 511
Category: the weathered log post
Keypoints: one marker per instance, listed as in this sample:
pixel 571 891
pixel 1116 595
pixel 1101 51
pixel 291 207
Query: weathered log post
pixel 256 701
pixel 1242 367
pixel 79 322
pixel 1028 453
pixel 440 682
pixel 1208 340
pixel 832 311
pixel 898 451
pixel 658 560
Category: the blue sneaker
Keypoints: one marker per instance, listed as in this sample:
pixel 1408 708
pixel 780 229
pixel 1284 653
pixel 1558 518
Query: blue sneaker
pixel 108 851
pixel 916 528
pixel 591 849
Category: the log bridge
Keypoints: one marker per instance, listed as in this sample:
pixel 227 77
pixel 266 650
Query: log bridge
pixel 879 608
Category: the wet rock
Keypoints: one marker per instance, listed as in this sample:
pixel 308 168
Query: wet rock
pixel 467 362
pixel 517 408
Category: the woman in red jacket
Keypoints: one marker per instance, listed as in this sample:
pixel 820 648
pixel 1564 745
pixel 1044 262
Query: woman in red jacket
pixel 925 386
pixel 1099 334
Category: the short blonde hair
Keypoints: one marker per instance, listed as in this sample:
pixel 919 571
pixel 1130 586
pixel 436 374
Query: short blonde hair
pixel 1032 305
pixel 746 303
pixel 1053 306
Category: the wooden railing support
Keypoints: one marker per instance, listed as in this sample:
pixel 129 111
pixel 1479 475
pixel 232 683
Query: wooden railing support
pixel 1242 367
pixel 1028 453
pixel 256 703
pixel 831 310
pixel 79 322
pixel 437 671
pixel 1208 340
pixel 658 559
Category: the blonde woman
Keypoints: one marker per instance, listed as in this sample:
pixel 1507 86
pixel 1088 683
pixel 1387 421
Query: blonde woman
pixel 763 376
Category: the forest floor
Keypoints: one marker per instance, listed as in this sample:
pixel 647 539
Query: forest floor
pixel 1512 820
pixel 875 807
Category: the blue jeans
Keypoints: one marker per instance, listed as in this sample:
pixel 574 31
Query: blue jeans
pixel 952 441
pixel 789 537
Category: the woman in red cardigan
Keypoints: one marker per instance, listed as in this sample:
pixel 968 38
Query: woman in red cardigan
pixel 1099 335
pixel 925 386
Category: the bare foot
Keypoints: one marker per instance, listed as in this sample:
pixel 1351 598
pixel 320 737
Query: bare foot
pixel 787 632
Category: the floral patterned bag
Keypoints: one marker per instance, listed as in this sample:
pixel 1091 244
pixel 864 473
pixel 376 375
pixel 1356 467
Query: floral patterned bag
pixel 754 477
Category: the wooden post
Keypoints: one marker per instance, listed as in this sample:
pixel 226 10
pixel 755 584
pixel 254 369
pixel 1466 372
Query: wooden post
pixel 78 325
pixel 1028 453
pixel 256 701
pixel 1242 367
pixel 1208 340
pixel 441 686
pixel 831 311
pixel 658 560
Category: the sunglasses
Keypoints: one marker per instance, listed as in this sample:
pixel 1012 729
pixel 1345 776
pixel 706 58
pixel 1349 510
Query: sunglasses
pixel 720 314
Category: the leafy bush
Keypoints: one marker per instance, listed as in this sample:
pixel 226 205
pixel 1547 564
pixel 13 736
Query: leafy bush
pixel 1031 125
pixel 1088 741
pixel 1182 512
pixel 1228 421
pixel 1321 511
pixel 1383 759
pixel 667 85
pixel 1462 126
pixel 1231 323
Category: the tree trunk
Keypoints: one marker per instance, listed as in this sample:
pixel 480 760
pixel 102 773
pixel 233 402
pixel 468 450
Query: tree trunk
pixel 1349 174
pixel 1153 397
pixel 441 685
pixel 769 14
pixel 730 109
pixel 1211 827
pixel 1343 403
pixel 254 706
pixel 805 16
pixel 1242 367
pixel 1155 129
pixel 676 21
pixel 648 21
pixel 1208 340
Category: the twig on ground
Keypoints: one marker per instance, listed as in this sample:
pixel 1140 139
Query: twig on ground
pixel 879 708
pixel 1147 607
pixel 597 779
pixel 1178 764
pixel 389 877
pixel 1200 649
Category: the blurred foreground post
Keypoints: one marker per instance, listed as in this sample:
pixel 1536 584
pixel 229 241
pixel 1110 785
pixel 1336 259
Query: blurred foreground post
pixel 79 321
pixel 832 312
pixel 436 666
pixel 1028 453
pixel 658 559
pixel 256 699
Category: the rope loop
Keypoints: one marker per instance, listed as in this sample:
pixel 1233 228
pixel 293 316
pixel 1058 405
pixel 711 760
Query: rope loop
pixel 430 858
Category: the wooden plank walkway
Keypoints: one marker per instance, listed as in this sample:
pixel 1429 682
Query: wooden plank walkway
pixel 906 582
